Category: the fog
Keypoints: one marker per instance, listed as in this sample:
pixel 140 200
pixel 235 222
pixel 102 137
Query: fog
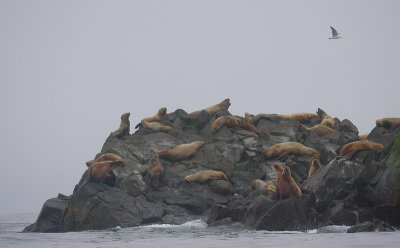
pixel 69 69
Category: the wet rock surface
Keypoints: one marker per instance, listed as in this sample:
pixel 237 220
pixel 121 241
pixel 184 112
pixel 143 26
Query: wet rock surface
pixel 364 189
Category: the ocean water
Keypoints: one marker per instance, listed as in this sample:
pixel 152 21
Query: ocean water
pixel 190 234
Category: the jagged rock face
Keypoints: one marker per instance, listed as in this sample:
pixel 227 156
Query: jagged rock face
pixel 345 191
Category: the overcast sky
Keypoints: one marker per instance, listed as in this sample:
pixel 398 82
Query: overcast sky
pixel 69 69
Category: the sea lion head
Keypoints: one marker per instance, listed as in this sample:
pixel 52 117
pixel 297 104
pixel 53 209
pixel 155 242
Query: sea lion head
pixel 125 115
pixel 88 163
pixel 226 103
pixel 279 169
pixel 270 152
pixel 189 179
pixel 162 112
pixel 286 172
pixel 248 116
pixel 199 143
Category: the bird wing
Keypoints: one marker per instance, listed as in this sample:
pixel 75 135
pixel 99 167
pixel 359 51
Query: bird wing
pixel 334 32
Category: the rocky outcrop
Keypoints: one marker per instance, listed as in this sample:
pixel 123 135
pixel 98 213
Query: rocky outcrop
pixel 344 191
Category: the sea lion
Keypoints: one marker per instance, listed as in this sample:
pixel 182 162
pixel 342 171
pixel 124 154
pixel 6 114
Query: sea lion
pixel 254 119
pixel 160 115
pixel 285 148
pixel 213 109
pixel 205 175
pixel 271 187
pixel 318 129
pixel 124 127
pixel 315 165
pixel 106 157
pixel 391 123
pixel 326 119
pixel 300 117
pixel 233 122
pixel 258 184
pixel 156 170
pixel 180 152
pixel 157 127
pixel 99 171
pixel 363 136
pixel 248 116
pixel 287 186
pixel 351 148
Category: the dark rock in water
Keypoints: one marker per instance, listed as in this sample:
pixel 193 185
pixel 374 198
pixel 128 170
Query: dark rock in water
pixel 332 229
pixel 390 214
pixel 217 212
pixel 97 206
pixel 346 191
pixel 51 215
pixel 375 226
pixel 264 213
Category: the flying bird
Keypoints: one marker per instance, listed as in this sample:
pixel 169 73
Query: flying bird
pixel 335 34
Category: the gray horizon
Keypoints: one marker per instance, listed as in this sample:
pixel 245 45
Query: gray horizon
pixel 69 69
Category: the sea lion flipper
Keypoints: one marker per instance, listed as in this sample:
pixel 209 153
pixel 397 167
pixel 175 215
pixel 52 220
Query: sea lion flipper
pixel 139 125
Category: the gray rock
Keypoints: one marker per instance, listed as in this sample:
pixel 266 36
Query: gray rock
pixel 375 226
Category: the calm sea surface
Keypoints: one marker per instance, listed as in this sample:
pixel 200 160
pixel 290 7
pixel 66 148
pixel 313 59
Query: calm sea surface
pixel 190 234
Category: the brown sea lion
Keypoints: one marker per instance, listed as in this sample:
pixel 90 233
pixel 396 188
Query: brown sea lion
pixel 391 123
pixel 106 157
pixel 326 119
pixel 124 127
pixel 205 175
pixel 213 109
pixel 300 117
pixel 271 187
pixel 285 148
pixel 318 129
pixel 363 136
pixel 315 165
pixel 232 122
pixel 351 148
pixel 258 184
pixel 287 186
pixel 157 117
pixel 180 152
pixel 156 170
pixel 99 171
pixel 254 119
pixel 157 127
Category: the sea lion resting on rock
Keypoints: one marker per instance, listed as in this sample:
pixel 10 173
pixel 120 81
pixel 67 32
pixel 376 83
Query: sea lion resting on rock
pixel 254 119
pixel 287 186
pixel 124 127
pixel 271 187
pixel 363 137
pixel 391 123
pixel 99 171
pixel 300 117
pixel 157 127
pixel 258 184
pixel 326 119
pixel 213 109
pixel 105 157
pixel 180 152
pixel 205 175
pixel 318 129
pixel 233 122
pixel 160 114
pixel 156 170
pixel 351 148
pixel 285 148
pixel 315 165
